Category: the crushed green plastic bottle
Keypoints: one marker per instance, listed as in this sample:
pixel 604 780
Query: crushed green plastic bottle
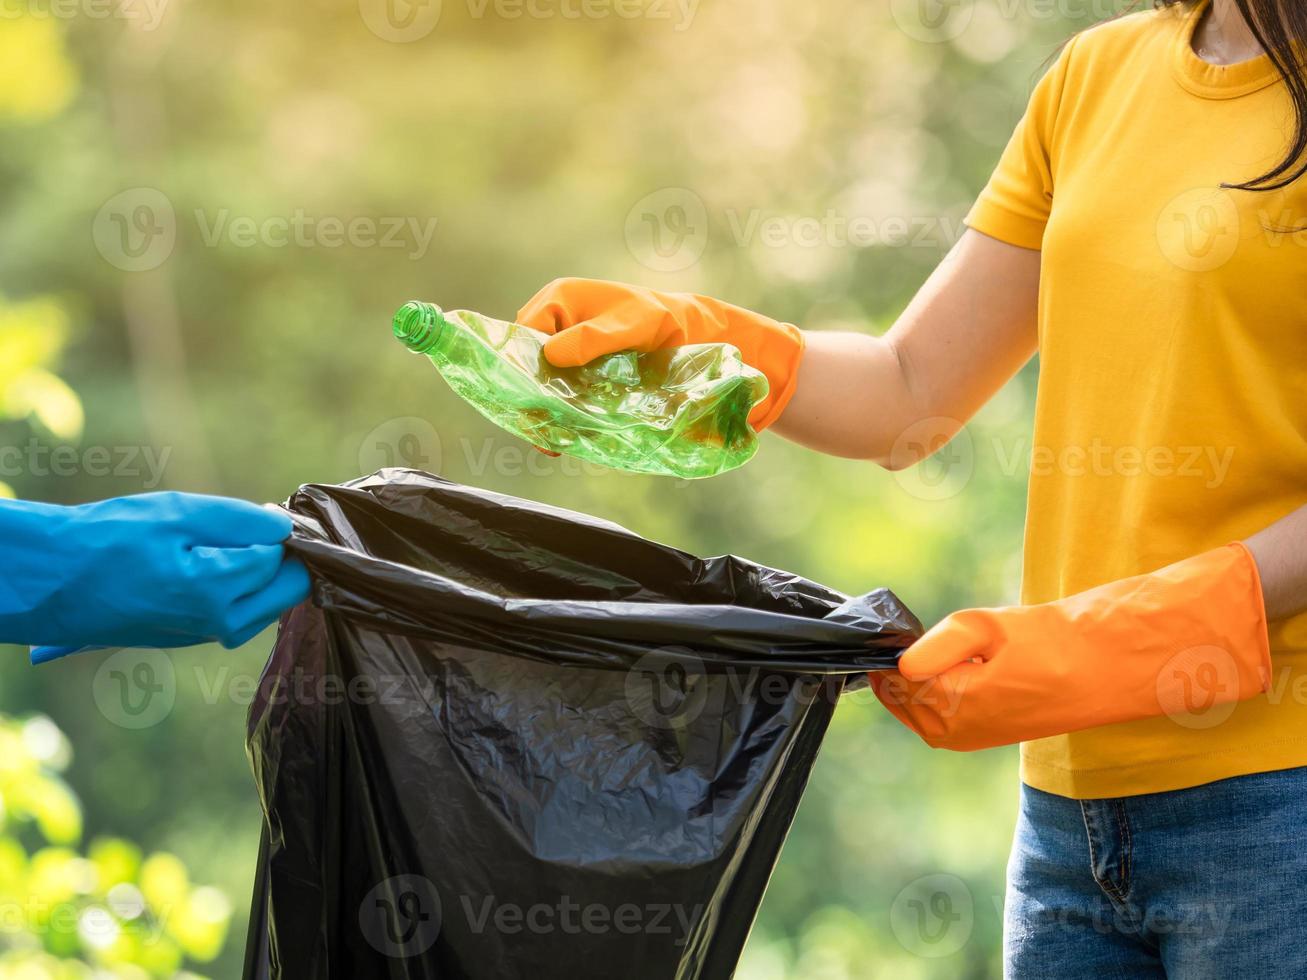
pixel 682 411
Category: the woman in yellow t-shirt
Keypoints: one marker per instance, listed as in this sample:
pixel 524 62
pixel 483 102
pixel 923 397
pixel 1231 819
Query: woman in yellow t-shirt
pixel 1144 232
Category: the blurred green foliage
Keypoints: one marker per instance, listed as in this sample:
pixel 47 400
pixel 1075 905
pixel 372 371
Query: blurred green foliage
pixel 32 335
pixel 110 912
pixel 178 187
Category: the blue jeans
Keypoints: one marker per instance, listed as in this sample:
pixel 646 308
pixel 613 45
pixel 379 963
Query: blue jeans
pixel 1208 883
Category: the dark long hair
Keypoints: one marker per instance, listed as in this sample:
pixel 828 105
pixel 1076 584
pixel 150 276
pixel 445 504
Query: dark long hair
pixel 1280 27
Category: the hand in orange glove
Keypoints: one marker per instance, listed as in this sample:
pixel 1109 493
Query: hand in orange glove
pixel 1182 639
pixel 591 317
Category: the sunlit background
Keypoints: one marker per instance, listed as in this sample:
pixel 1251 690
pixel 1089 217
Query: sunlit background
pixel 208 212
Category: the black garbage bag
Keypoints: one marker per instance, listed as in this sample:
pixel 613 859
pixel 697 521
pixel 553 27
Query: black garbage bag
pixel 508 740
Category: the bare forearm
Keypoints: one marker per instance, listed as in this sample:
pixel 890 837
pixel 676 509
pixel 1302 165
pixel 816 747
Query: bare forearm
pixel 1281 554
pixel 852 398
pixel 896 399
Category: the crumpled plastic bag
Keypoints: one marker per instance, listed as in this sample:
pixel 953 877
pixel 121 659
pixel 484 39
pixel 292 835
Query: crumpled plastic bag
pixel 509 740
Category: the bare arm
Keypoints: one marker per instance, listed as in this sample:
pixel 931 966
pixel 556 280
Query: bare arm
pixel 966 332
pixel 1281 554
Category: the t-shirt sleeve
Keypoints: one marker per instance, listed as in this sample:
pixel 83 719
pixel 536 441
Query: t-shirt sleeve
pixel 1014 205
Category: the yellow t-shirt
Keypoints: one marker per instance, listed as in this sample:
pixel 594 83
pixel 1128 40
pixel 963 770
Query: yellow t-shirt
pixel 1171 416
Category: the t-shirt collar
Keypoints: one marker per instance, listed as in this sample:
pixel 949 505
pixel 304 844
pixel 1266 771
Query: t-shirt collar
pixel 1215 81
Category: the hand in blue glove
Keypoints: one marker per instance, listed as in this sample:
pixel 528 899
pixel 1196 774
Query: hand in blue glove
pixel 159 570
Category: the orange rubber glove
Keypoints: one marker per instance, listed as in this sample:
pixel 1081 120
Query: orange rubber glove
pixel 591 317
pixel 1182 639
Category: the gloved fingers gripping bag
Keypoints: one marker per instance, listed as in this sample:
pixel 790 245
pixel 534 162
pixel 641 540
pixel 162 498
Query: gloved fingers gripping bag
pixel 509 740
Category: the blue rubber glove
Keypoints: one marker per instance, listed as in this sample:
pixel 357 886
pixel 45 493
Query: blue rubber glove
pixel 158 570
